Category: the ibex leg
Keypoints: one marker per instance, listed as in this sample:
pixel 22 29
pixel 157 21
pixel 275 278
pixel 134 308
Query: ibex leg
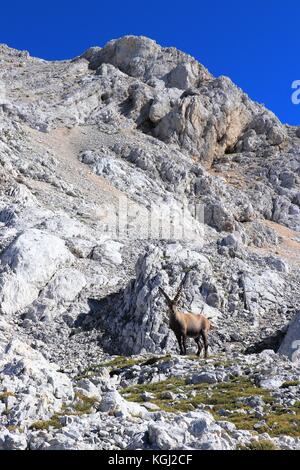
pixel 205 342
pixel 184 344
pixel 199 344
pixel 179 339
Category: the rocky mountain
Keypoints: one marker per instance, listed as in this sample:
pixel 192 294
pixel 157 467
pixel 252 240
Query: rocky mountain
pixel 120 170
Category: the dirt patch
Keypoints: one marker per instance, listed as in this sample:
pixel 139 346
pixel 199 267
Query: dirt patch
pixel 289 247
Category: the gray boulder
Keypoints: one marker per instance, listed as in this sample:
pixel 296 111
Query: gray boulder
pixel 141 319
pixel 12 441
pixel 27 265
pixel 290 345
pixel 141 57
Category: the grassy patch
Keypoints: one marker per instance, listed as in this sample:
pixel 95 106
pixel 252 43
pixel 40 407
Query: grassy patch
pixel 225 363
pixel 82 404
pixel 14 428
pixel 5 395
pixel 156 388
pixel 226 395
pixel 121 362
pixel 117 363
pixel 221 395
pixel 44 425
pixel 154 360
pixel 290 383
pixel 284 421
pixel 264 444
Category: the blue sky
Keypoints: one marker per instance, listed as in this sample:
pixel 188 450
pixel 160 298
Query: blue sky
pixel 256 43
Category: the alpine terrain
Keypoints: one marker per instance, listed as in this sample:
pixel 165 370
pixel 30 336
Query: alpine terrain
pixel 122 171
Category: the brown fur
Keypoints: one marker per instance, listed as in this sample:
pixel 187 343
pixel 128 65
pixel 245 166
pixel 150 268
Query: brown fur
pixel 187 325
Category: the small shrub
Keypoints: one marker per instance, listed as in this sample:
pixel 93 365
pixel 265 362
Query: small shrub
pixel 42 425
pixel 264 444
pixel 83 404
pixel 290 383
pixel 5 395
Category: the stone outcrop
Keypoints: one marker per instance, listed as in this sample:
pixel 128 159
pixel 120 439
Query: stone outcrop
pixel 291 342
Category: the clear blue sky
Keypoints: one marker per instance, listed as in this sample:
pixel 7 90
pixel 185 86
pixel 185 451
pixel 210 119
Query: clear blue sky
pixel 256 43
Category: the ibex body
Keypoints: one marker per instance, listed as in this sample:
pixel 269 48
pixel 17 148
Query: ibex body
pixel 187 325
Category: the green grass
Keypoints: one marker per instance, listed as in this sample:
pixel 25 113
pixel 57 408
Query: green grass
pixel 83 405
pixel 157 387
pixel 221 395
pixel 44 425
pixel 117 363
pixel 226 395
pixel 14 428
pixel 121 362
pixel 284 421
pixel 290 383
pixel 154 360
pixel 225 363
pixel 264 444
pixel 80 406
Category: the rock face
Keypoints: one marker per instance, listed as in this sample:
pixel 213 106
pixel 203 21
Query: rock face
pixel 28 264
pixel 119 170
pixel 142 58
pixel 141 317
pixel 208 118
pixel 202 129
pixel 23 369
pixel 291 342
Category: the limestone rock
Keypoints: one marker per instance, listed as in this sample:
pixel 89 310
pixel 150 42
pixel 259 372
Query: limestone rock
pixel 30 262
pixel 10 441
pixel 291 342
pixel 22 369
pixel 141 57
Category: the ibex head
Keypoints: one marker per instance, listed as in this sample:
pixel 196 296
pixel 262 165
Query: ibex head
pixel 172 303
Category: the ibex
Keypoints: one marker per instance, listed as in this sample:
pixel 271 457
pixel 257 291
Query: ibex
pixel 185 325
